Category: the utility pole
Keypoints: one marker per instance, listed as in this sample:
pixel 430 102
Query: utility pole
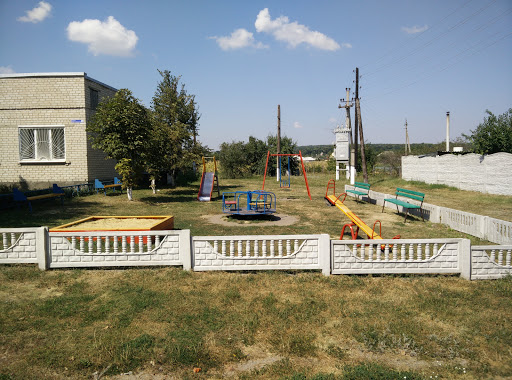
pixel 363 156
pixel 278 172
pixel 448 131
pixel 407 143
pixel 356 119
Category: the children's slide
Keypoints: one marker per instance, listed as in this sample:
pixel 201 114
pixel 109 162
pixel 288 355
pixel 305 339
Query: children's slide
pixel 206 188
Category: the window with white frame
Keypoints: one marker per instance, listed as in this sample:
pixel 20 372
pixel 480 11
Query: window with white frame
pixel 42 143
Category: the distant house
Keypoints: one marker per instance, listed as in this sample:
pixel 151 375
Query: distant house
pixel 43 117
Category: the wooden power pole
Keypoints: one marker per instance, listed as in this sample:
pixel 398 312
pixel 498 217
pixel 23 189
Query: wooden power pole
pixel 363 156
pixel 407 143
pixel 356 119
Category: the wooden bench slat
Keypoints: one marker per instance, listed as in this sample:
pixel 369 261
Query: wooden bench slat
pixel 43 196
pixel 406 193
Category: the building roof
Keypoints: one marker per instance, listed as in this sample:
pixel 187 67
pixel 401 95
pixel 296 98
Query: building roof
pixel 70 74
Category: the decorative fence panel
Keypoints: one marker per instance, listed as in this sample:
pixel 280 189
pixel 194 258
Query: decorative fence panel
pixel 498 231
pixel 259 252
pixel 22 245
pixel 398 256
pixel 133 248
pixel 468 223
pixel 491 262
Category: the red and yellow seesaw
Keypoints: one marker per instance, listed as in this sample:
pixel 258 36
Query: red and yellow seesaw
pixel 356 221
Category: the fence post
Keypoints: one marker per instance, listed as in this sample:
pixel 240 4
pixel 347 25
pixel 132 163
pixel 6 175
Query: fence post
pixel 324 254
pixel 465 258
pixel 42 247
pixel 185 246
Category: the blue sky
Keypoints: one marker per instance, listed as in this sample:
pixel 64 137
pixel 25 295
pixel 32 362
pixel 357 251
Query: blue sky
pixel 417 60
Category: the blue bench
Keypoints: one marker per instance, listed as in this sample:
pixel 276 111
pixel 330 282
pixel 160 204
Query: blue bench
pixel 104 185
pixel 410 194
pixel 20 197
pixel 360 189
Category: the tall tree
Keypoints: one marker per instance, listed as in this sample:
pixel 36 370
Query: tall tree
pixel 493 135
pixel 120 128
pixel 176 120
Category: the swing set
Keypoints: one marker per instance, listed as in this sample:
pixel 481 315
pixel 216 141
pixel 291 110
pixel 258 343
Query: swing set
pixel 283 182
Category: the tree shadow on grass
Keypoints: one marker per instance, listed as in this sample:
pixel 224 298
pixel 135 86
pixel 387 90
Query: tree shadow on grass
pixel 253 218
pixel 182 195
pixel 46 214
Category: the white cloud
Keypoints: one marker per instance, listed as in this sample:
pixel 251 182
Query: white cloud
pixel 414 29
pixel 37 14
pixel 297 125
pixel 6 70
pixel 240 38
pixel 103 37
pixel 293 33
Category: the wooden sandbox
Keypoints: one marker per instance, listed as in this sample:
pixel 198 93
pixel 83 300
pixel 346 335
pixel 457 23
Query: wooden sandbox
pixel 118 223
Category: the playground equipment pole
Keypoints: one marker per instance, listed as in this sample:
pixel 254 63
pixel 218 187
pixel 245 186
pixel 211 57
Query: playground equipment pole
pixel 288 155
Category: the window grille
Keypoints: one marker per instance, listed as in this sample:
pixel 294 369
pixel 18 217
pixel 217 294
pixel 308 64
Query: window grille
pixel 42 144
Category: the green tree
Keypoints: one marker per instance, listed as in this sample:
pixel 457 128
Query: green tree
pixel 233 161
pixel 493 135
pixel 176 121
pixel 288 146
pixel 120 128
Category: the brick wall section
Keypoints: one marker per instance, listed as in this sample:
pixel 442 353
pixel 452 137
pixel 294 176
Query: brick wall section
pixel 42 101
pixel 97 165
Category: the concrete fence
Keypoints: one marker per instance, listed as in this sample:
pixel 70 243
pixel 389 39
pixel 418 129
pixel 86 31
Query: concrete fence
pixel 483 227
pixel 259 252
pixel 269 252
pixel 487 174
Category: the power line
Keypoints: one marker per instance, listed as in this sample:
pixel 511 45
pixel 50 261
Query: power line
pixel 431 41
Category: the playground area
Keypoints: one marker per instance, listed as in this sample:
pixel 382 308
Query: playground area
pixel 250 324
pixel 302 216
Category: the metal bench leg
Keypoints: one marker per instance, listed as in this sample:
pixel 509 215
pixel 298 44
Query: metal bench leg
pixel 383 204
pixel 406 213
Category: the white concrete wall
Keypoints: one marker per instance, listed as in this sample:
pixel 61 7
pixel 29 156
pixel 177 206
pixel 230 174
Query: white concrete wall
pixel 487 174
pixel 397 256
pixel 269 252
pixel 73 249
pixel 490 262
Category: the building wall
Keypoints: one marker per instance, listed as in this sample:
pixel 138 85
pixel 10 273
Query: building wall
pixel 49 99
pixel 487 174
pixel 97 165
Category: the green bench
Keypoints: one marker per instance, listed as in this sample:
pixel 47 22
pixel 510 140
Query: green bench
pixel 364 189
pixel 410 194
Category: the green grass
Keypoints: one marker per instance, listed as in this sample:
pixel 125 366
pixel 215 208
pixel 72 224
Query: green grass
pixel 269 325
pixel 60 324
